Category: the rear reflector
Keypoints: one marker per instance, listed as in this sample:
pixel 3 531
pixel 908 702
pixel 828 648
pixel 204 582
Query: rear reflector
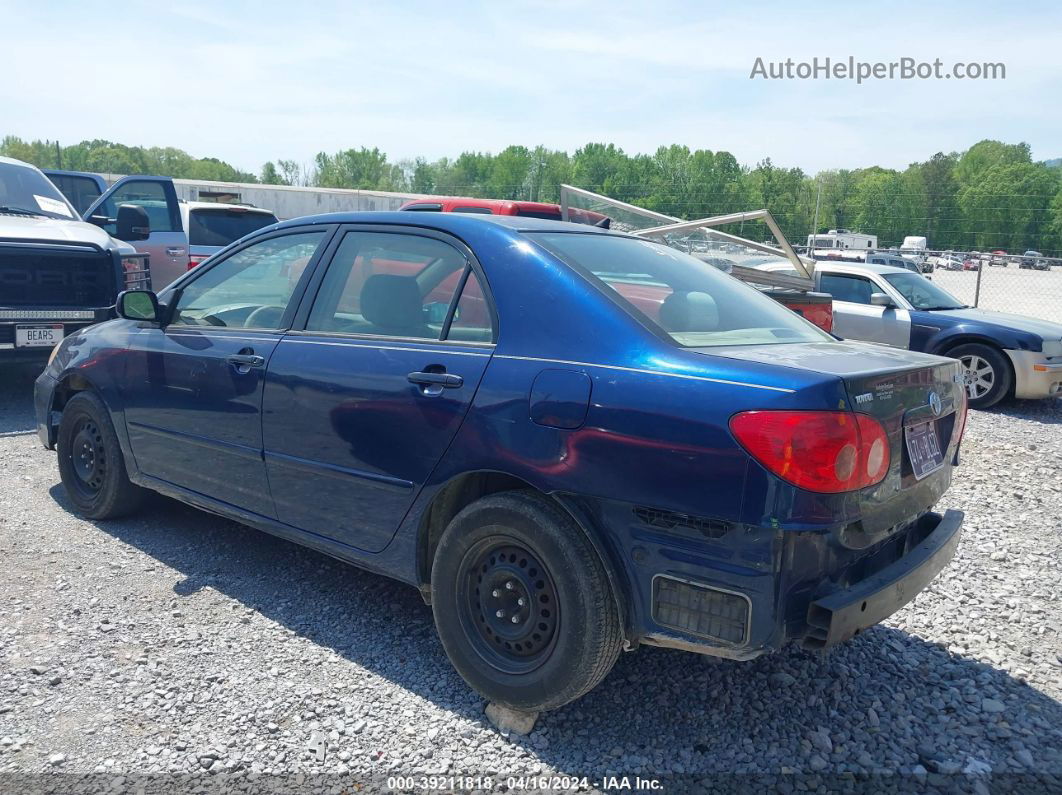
pixel 700 609
pixel 823 451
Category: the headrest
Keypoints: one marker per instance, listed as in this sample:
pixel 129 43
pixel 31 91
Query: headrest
pixel 689 311
pixel 393 302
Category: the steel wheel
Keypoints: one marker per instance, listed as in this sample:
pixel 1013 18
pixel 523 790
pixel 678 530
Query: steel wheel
pixel 510 611
pixel 979 376
pixel 88 457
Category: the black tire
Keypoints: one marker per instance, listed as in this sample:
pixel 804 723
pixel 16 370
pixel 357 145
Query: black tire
pixel 568 632
pixel 91 464
pixel 988 374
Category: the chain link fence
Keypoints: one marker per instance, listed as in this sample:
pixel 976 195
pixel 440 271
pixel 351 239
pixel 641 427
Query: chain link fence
pixel 1020 285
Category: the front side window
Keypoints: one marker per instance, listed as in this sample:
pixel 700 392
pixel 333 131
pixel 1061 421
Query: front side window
pixel 150 195
pixel 922 293
pixel 398 285
pixel 689 300
pixel 250 289
pixel 854 289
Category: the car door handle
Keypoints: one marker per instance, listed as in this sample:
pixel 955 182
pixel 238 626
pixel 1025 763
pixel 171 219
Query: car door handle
pixel 175 252
pixel 444 380
pixel 247 360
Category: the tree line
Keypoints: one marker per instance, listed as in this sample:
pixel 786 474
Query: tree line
pixel 991 196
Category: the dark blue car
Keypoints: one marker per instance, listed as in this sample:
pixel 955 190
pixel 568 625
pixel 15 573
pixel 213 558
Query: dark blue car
pixel 571 441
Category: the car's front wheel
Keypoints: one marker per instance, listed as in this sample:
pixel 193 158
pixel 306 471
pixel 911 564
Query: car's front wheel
pixel 523 604
pixel 91 465
pixel 986 373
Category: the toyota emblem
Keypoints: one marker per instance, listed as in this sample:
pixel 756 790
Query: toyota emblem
pixel 935 404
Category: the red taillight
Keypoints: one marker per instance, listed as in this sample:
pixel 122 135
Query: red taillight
pixel 194 259
pixel 824 451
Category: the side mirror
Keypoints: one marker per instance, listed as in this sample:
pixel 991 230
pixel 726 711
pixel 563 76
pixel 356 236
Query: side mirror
pixel 138 305
pixel 881 299
pixel 132 223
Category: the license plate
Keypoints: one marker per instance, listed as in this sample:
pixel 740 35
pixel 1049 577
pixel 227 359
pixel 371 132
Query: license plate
pixel 38 336
pixel 923 448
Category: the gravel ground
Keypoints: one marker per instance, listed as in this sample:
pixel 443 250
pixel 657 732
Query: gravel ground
pixel 181 643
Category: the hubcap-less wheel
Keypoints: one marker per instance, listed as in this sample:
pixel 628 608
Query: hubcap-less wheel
pixel 89 459
pixel 509 605
pixel 978 376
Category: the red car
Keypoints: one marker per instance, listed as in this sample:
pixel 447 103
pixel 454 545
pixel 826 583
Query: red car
pixel 465 204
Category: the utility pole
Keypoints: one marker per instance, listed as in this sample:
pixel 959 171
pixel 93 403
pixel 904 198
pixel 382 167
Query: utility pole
pixel 58 153
pixel 818 201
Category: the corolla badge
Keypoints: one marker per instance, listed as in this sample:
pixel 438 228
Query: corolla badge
pixel 935 404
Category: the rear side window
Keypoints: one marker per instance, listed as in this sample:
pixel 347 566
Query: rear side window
pixel 477 210
pixel 387 284
pixel 210 227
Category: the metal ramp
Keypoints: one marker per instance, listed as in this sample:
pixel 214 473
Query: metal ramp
pixel 702 239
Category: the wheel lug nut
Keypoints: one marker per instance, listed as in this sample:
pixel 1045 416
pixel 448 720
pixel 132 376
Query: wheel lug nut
pixel 520 601
pixel 516 619
pixel 495 593
pixel 500 614
pixel 510 585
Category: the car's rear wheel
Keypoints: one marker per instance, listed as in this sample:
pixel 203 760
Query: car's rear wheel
pixel 523 603
pixel 986 374
pixel 90 461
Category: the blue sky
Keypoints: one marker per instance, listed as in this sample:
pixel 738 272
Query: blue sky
pixel 249 82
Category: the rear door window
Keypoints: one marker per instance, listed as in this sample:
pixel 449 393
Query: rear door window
pixel 210 227
pixel 388 284
pixel 81 191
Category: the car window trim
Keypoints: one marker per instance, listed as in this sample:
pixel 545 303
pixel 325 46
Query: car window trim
pixel 309 295
pixel 294 302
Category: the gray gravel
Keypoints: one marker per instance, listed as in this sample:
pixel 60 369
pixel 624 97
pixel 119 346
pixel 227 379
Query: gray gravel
pixel 181 643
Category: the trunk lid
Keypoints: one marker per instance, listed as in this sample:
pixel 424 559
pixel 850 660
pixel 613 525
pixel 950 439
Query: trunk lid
pixel 902 390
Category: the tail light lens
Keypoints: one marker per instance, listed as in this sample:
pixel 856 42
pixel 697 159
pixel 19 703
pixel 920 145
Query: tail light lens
pixel 823 451
pixel 195 259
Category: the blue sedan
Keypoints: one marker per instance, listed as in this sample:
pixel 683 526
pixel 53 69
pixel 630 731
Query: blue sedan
pixel 572 441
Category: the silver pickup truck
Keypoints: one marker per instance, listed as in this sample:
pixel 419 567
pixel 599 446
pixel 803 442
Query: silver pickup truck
pixel 57 272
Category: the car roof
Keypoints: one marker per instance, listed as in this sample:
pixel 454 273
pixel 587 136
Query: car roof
pixel 446 222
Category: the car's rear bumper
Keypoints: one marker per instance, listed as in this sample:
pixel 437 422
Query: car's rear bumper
pixel 840 615
pixel 1035 375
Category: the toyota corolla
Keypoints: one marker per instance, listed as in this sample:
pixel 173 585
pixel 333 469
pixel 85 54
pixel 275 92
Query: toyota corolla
pixel 487 408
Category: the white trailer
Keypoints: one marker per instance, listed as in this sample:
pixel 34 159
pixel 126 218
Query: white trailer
pixel 843 239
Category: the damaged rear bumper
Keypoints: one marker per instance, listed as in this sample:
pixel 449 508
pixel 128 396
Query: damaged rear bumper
pixel 842 614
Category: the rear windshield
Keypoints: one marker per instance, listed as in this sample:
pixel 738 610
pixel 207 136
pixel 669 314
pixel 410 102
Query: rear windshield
pixel 694 303
pixel 209 227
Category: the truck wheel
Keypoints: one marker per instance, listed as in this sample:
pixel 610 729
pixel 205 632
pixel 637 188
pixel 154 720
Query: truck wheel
pixel 523 604
pixel 90 461
pixel 987 373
